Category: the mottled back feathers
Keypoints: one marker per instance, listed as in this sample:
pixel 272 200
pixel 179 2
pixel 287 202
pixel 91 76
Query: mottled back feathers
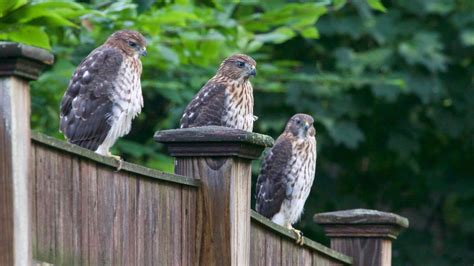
pixel 104 91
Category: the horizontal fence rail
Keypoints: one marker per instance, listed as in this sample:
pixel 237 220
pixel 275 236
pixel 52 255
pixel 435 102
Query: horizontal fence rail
pixel 272 244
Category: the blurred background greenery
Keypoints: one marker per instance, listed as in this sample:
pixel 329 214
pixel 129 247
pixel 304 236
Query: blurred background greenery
pixel 390 85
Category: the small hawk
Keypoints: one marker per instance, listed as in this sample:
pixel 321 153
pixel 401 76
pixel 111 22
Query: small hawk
pixel 104 94
pixel 226 99
pixel 287 174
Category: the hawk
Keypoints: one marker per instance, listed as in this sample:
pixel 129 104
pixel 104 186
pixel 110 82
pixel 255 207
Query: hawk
pixel 226 99
pixel 287 174
pixel 104 94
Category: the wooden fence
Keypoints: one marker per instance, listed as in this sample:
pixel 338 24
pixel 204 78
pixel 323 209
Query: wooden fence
pixel 64 205
pixel 83 212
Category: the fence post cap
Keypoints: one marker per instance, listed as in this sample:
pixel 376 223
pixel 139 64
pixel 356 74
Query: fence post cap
pixel 361 223
pixel 213 141
pixel 17 59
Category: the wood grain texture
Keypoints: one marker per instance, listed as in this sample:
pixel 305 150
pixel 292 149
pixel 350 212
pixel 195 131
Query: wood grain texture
pixel 269 247
pixel 223 208
pixel 212 141
pixel 366 235
pixel 15 237
pixel 282 232
pixel 107 161
pixel 365 251
pixel 85 213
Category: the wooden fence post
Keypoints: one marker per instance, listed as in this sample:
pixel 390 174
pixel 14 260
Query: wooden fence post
pixel 365 235
pixel 221 158
pixel 18 64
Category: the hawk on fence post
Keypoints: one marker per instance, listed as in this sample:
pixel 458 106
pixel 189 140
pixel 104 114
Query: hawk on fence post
pixel 104 94
pixel 226 99
pixel 287 174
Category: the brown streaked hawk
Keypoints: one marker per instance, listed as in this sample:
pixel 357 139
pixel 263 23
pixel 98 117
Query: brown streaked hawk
pixel 104 94
pixel 287 174
pixel 226 99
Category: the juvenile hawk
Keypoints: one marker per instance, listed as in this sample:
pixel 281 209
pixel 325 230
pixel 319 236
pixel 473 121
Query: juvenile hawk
pixel 226 99
pixel 287 174
pixel 104 94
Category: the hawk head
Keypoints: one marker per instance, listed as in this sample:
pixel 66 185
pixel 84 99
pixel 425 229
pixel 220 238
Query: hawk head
pixel 301 126
pixel 238 67
pixel 132 43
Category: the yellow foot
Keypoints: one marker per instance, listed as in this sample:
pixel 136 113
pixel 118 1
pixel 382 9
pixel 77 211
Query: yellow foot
pixel 299 235
pixel 118 159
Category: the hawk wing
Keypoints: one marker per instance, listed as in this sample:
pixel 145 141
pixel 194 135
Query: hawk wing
pixel 207 107
pixel 271 188
pixel 86 107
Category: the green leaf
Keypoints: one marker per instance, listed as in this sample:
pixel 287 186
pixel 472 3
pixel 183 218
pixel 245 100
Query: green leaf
pixel 277 36
pixel 7 6
pixel 31 35
pixel 310 33
pixel 338 4
pixel 377 5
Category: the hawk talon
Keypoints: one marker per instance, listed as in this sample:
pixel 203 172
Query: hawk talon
pixel 118 159
pixel 299 236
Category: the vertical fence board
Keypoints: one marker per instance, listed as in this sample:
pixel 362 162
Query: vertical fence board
pixel 188 228
pixel 161 238
pixel 90 238
pixel 105 213
pixel 45 204
pixel 273 249
pixel 257 247
pixel 76 212
pixel 33 202
pixel 144 223
pixel 120 224
pixel 132 215
pixel 63 177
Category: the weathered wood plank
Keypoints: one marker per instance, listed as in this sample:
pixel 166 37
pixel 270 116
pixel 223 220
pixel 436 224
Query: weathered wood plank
pixel 120 224
pixel 188 226
pixel 365 235
pixel 62 178
pixel 143 223
pixel 273 248
pixel 45 205
pixel 15 237
pixel 132 219
pixel 258 247
pixel 90 230
pixel 274 228
pixel 77 225
pixel 290 254
pixel 33 202
pixel 19 63
pixel 107 161
pixel 105 214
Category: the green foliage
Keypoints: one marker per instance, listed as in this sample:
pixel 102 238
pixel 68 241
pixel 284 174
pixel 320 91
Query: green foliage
pixel 21 21
pixel 390 86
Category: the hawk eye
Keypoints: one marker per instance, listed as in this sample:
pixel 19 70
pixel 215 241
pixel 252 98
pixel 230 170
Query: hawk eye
pixel 298 122
pixel 240 64
pixel 132 44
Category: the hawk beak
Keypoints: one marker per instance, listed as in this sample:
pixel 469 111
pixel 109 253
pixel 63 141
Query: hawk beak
pixel 306 126
pixel 253 72
pixel 143 52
